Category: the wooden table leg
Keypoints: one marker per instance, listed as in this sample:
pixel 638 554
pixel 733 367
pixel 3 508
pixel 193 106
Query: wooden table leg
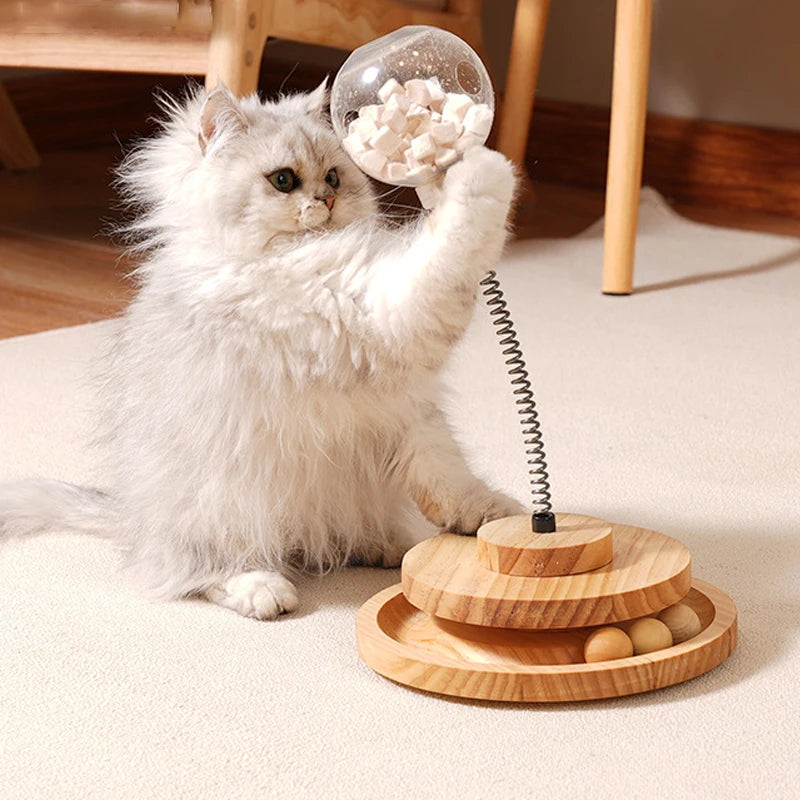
pixel 626 145
pixel 16 148
pixel 530 21
pixel 238 36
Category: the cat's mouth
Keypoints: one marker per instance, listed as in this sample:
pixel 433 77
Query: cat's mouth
pixel 319 225
pixel 316 219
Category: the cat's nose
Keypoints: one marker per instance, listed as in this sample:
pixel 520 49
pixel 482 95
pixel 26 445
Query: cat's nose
pixel 328 198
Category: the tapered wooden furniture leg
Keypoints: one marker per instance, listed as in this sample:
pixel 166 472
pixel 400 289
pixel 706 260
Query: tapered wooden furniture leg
pixel 16 149
pixel 527 41
pixel 238 34
pixel 626 144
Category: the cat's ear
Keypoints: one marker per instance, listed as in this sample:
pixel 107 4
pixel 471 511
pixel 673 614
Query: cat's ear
pixel 221 114
pixel 315 103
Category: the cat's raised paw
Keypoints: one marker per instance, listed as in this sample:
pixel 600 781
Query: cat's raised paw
pixel 259 594
pixel 482 173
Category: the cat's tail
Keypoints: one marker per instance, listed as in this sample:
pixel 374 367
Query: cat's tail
pixel 31 507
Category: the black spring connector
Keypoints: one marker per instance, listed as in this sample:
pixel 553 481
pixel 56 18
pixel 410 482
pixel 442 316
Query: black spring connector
pixel 544 522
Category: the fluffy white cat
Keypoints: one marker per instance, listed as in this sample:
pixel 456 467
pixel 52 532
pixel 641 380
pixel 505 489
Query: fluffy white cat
pixel 270 402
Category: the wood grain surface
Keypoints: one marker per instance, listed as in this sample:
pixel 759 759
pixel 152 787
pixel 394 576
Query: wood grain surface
pixel 16 148
pixel 649 572
pixel 413 648
pixel 579 544
pixel 80 284
pixel 626 142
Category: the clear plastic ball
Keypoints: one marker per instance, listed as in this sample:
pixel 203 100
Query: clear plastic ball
pixel 413 53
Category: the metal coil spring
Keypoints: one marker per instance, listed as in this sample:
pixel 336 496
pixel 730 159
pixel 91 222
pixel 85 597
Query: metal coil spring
pixel 526 406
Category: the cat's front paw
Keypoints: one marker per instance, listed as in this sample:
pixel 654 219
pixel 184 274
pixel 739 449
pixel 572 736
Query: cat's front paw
pixel 482 173
pixel 481 508
pixel 259 594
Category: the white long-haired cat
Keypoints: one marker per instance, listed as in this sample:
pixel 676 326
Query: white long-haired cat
pixel 270 401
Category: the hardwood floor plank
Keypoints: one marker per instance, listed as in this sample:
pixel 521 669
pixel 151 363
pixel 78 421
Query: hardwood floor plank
pixel 50 283
pixel 69 196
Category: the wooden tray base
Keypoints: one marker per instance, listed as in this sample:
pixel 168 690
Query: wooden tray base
pixel 416 649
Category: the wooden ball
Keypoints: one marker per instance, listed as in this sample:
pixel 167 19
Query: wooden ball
pixel 606 644
pixel 682 621
pixel 649 634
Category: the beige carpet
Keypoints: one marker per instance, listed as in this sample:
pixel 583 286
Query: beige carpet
pixel 675 409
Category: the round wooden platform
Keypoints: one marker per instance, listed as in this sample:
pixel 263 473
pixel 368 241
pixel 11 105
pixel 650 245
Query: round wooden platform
pixel 649 571
pixel 510 545
pixel 416 649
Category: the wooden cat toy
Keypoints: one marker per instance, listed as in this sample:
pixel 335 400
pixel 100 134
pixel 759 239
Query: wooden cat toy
pixel 541 608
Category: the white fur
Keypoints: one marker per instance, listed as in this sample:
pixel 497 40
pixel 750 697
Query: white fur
pixel 259 594
pixel 271 400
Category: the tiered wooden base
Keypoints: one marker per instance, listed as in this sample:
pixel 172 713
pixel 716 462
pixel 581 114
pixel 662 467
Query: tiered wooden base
pixel 457 627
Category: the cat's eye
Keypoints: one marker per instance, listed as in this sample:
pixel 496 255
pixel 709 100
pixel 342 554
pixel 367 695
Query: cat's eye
pixel 284 180
pixel 332 178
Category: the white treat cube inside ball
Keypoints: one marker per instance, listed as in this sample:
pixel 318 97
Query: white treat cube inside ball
pixel 411 162
pixel 422 173
pixel 412 128
pixel 445 156
pixel 423 126
pixel 444 132
pixel 374 162
pixel 429 194
pixel 417 92
pixel 396 172
pixel 388 89
pixel 364 128
pixel 399 155
pixel 436 94
pixel 354 144
pixel 478 120
pixel 456 107
pixel 385 140
pixel 423 147
pixel 394 119
pixel 398 101
pixel 372 112
pixel 416 112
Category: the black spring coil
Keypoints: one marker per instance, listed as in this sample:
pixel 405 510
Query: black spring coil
pixel 526 406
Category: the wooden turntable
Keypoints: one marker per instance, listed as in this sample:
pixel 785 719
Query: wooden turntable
pixel 506 615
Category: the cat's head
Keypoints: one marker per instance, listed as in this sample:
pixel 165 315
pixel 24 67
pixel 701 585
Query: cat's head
pixel 246 171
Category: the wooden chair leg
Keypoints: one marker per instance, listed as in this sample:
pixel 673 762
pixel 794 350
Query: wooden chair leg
pixel 527 41
pixel 16 149
pixel 626 144
pixel 238 36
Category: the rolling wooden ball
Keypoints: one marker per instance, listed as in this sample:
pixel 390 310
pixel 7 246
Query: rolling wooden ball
pixel 649 634
pixel 682 621
pixel 606 644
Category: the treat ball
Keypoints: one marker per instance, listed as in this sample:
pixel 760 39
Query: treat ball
pixel 649 634
pixel 682 622
pixel 606 644
pixel 409 104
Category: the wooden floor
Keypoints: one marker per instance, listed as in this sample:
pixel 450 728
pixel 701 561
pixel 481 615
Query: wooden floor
pixel 58 266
